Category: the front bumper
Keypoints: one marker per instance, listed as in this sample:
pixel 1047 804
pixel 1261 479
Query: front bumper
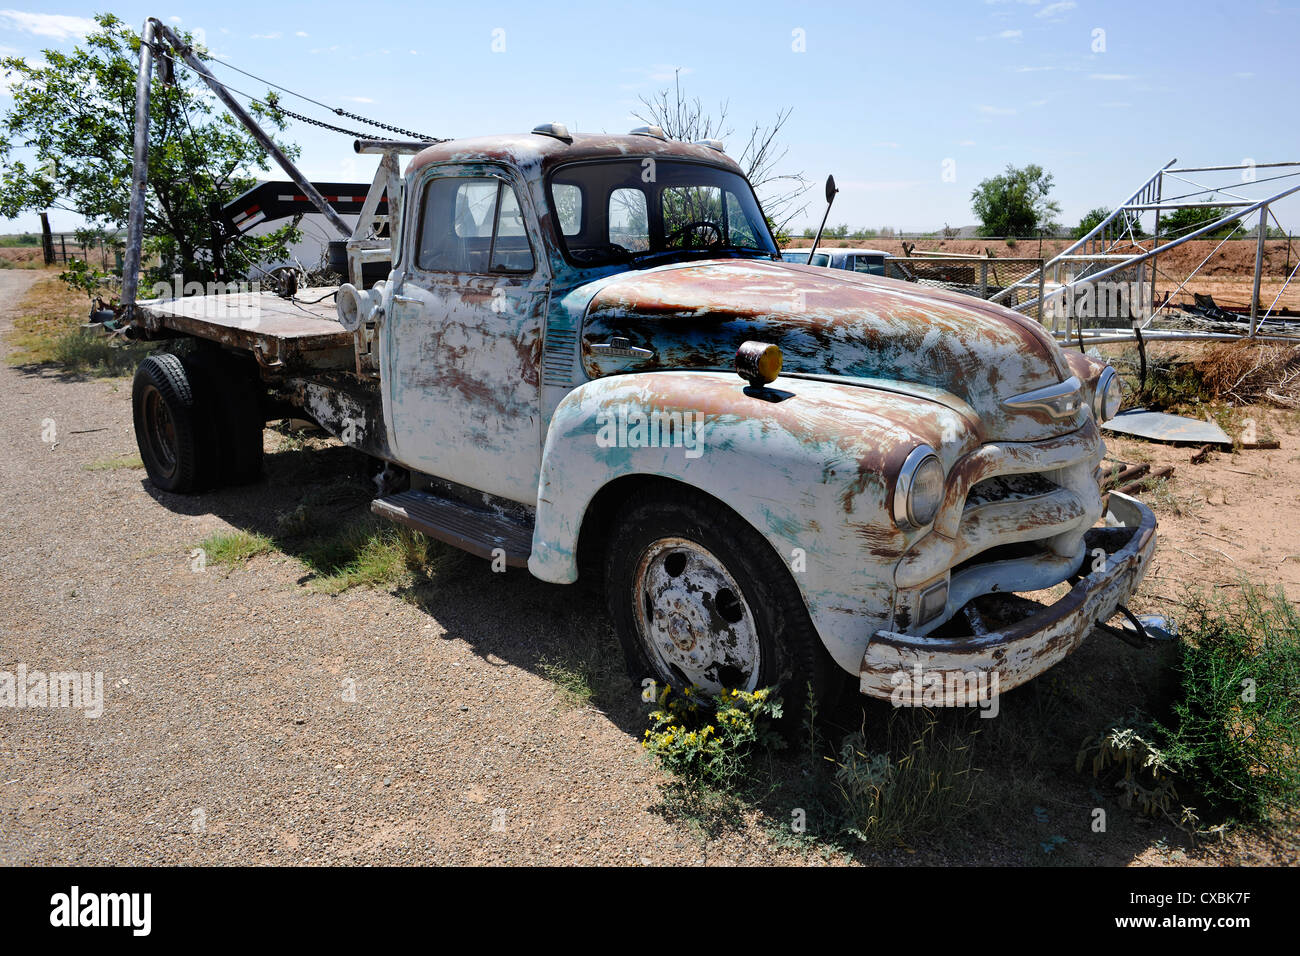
pixel 900 666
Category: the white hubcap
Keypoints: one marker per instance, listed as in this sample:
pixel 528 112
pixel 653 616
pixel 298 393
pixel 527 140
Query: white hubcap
pixel 693 620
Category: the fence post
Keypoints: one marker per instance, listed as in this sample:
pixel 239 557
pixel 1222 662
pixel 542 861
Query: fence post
pixel 1259 266
pixel 47 239
pixel 1041 286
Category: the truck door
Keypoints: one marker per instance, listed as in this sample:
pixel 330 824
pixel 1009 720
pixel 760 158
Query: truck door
pixel 461 347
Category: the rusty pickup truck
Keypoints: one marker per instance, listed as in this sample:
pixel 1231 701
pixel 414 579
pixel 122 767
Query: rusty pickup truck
pixel 589 359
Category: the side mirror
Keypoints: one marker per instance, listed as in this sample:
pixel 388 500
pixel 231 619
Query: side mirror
pixel 830 188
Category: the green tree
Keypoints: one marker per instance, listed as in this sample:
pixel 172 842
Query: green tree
pixel 1190 218
pixel 1090 221
pixel 76 111
pixel 1015 203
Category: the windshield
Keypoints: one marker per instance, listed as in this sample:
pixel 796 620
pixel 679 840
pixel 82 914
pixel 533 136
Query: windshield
pixel 639 209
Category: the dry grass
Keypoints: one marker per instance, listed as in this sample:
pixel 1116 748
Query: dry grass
pixel 1247 373
pixel 48 331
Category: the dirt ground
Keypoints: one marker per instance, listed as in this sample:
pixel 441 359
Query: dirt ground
pixel 228 737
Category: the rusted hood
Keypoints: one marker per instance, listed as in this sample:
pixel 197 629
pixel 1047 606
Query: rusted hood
pixel 829 322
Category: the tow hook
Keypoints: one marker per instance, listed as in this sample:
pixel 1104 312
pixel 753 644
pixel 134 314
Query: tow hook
pixel 1141 631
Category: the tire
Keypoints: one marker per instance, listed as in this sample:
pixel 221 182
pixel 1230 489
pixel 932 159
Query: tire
pixel 697 596
pixel 172 431
pixel 229 389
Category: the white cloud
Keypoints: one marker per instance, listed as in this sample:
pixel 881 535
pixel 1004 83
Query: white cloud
pixel 889 144
pixel 174 19
pixel 301 33
pixel 265 36
pixel 967 142
pixel 358 99
pixel 54 25
pixel 1110 77
pixel 1011 34
pixel 1243 76
pixel 1052 9
pixel 996 110
pixel 1033 69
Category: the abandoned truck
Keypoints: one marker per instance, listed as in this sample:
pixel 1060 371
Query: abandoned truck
pixel 548 376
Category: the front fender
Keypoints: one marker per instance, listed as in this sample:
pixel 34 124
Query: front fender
pixel 809 464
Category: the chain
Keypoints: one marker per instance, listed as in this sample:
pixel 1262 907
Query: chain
pixel 391 129
pixel 315 122
pixel 336 110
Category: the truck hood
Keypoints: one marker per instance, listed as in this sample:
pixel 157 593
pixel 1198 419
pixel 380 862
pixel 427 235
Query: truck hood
pixel 962 352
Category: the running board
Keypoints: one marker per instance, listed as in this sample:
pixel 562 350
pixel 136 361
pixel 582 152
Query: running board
pixel 477 530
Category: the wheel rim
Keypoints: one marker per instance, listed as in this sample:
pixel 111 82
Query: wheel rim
pixel 693 620
pixel 160 430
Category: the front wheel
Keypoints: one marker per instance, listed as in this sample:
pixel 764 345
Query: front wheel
pixel 699 598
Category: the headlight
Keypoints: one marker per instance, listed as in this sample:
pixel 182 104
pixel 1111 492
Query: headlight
pixel 1108 397
pixel 919 491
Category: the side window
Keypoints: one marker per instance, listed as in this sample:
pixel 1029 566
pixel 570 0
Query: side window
pixel 568 207
pixel 629 220
pixel 472 225
pixel 869 264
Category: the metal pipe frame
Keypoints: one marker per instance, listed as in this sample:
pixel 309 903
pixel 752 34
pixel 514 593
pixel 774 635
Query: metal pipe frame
pixel 139 174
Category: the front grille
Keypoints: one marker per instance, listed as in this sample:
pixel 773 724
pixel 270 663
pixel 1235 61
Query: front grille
pixel 1009 488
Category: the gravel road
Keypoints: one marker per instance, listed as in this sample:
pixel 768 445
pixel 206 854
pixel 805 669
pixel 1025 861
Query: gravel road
pixel 226 734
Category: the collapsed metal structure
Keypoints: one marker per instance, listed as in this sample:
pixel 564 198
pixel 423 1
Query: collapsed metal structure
pixel 1097 256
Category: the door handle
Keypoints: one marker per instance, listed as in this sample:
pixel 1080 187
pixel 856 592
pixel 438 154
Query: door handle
pixel 406 300
pixel 621 347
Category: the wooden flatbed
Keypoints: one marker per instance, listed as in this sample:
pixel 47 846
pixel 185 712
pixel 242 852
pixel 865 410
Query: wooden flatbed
pixel 301 332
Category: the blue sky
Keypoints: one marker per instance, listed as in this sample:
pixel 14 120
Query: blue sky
pixel 884 94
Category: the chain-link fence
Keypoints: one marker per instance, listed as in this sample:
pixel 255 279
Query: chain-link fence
pixel 979 276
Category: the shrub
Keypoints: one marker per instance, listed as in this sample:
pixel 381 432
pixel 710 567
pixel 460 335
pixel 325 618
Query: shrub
pixel 710 739
pixel 1234 731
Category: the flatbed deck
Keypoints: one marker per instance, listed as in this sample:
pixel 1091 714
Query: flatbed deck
pixel 300 331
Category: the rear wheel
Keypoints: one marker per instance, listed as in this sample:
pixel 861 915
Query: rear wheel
pixel 170 428
pixel 228 387
pixel 699 598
